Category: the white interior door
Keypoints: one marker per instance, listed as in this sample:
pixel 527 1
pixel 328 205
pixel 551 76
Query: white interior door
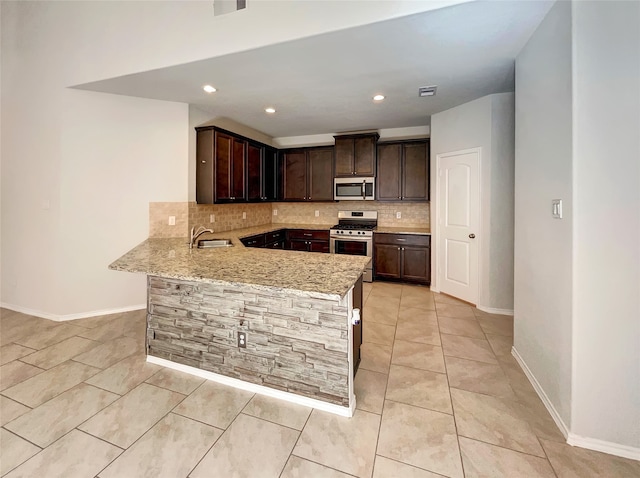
pixel 458 221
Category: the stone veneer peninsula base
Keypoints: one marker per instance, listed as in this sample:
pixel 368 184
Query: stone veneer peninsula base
pixel 298 348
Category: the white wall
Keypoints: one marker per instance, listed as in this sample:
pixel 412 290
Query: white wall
pixel 577 280
pixel 486 123
pixel 159 34
pixel 606 301
pixel 543 245
pixel 118 154
pixel 78 171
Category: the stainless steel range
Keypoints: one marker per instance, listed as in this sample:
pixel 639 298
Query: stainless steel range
pixel 353 235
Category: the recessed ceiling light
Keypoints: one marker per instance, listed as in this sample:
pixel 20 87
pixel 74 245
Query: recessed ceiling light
pixel 427 91
pixel 209 89
pixel 270 110
pixel 378 98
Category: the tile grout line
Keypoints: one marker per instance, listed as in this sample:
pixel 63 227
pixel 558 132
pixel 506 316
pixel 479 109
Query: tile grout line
pixel 453 411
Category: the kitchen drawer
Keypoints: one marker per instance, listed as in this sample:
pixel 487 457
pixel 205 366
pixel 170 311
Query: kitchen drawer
pixel 274 236
pixel 254 241
pixel 402 239
pixel 275 245
pixel 308 234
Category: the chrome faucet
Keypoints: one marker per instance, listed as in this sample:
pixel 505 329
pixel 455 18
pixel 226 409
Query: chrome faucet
pixel 195 234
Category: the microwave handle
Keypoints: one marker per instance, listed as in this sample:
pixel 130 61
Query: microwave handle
pixel 364 189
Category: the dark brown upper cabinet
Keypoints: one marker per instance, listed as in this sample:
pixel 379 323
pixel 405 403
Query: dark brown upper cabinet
pixel 355 155
pixel 204 166
pixel 403 171
pixel 232 168
pixel 261 173
pixel 307 174
pixel 230 153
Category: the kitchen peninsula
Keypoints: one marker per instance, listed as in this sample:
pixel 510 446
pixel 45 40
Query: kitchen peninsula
pixel 294 309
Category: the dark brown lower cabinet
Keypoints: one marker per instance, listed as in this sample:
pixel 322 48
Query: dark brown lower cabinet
pixel 357 329
pixel 307 240
pixel 402 257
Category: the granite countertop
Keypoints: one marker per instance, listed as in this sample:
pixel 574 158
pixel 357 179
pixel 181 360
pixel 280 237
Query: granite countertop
pixel 425 231
pixel 310 274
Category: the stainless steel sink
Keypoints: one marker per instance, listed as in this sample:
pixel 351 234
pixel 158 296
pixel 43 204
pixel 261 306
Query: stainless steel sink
pixel 212 243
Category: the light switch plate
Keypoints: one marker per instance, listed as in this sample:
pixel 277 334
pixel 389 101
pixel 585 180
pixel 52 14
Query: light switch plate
pixel 172 220
pixel 317 213
pixel 398 215
pixel 275 212
pixel 556 208
pixel 244 215
pixel 212 218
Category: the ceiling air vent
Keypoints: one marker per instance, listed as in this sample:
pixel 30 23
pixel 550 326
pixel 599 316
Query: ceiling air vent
pixel 427 91
pixel 222 7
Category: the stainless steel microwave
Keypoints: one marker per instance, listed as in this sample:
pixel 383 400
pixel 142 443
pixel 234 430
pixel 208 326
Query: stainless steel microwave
pixel 354 189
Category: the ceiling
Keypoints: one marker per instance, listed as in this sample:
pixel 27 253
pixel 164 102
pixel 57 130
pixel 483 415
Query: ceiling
pixel 325 84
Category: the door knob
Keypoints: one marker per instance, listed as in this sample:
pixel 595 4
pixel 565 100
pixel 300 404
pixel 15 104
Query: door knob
pixel 472 236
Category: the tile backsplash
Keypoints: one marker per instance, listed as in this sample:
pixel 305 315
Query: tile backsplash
pixel 414 214
pixel 159 213
pixel 229 216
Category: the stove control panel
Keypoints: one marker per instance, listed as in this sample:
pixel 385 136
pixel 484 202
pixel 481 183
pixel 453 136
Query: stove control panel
pixel 342 232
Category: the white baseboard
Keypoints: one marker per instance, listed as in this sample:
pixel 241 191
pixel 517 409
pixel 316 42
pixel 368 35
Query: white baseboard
pixel 543 396
pixel 611 448
pixel 604 446
pixel 80 315
pixel 492 310
pixel 255 388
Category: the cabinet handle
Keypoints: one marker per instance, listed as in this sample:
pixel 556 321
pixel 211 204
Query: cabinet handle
pixel 308 235
pixel 309 198
pixel 203 162
pixel 401 240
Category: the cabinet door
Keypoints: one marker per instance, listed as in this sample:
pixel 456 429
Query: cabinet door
pixel 387 261
pixel 415 175
pixel 318 246
pixel 297 245
pixel 254 172
pixel 365 156
pixel 389 169
pixel 344 156
pixel 224 160
pixel 416 264
pixel 204 167
pixel 294 176
pixel 238 179
pixel 320 174
pixel 269 174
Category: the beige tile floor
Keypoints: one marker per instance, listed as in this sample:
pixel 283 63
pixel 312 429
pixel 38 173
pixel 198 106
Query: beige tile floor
pixel 438 394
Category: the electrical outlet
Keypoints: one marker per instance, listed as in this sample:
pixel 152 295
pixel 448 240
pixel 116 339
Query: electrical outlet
pixel 556 208
pixel 275 212
pixel 172 220
pixel 317 213
pixel 212 218
pixel 398 215
pixel 244 215
pixel 242 340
